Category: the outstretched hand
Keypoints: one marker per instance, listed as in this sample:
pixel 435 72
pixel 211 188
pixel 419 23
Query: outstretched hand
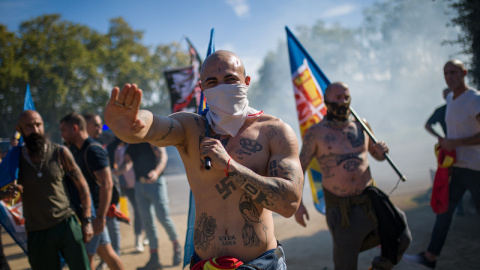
pixel 301 211
pixel 121 112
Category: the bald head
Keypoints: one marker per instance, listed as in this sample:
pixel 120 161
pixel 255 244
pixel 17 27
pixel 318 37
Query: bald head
pixel 29 122
pixel 222 67
pixel 334 89
pixel 457 63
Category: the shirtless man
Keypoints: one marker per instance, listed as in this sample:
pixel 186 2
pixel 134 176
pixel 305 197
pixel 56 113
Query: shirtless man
pixel 340 146
pixel 255 165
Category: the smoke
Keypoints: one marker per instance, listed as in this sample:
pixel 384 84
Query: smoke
pixel 393 65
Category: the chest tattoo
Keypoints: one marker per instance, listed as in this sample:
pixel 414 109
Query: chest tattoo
pixel 226 187
pixel 355 136
pixel 251 145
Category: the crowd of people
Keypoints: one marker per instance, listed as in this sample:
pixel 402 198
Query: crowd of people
pixel 242 166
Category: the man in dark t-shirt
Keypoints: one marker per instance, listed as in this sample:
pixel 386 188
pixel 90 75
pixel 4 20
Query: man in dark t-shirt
pixel 93 161
pixel 151 189
pixel 438 116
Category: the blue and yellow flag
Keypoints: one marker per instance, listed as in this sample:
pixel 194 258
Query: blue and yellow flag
pixel 309 84
pixel 11 211
pixel 189 248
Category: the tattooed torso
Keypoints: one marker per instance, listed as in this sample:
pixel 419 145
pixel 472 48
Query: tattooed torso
pixel 341 151
pixel 228 220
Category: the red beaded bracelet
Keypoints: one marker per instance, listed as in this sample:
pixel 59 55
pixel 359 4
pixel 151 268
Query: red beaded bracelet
pixel 228 164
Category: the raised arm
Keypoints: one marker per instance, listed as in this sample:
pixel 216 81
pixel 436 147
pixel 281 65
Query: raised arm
pixel 132 125
pixel 75 174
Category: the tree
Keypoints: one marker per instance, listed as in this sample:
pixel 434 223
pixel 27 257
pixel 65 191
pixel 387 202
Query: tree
pixel 468 19
pixel 71 67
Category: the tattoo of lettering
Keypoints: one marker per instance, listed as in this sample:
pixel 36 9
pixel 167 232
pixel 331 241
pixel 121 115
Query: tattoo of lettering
pixel 226 187
pixel 169 131
pixel 272 132
pixel 357 138
pixel 250 145
pixel 204 232
pixel 251 215
pixel 228 240
pixel 264 194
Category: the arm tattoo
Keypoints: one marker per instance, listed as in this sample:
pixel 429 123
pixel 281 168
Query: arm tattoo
pixel 251 215
pixel 69 166
pixel 170 128
pixel 204 232
pixel 197 120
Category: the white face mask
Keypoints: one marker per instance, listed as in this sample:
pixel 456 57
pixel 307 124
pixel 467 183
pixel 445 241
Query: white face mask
pixel 229 108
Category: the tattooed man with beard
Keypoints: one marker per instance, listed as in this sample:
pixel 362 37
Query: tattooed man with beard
pixel 340 146
pixel 255 166
pixel 49 220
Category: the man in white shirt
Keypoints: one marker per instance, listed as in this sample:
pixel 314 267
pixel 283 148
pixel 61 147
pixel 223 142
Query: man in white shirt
pixel 463 136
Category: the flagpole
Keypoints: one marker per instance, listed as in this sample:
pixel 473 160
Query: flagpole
pixel 370 134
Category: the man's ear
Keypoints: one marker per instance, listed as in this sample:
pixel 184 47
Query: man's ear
pixel 75 128
pixel 247 80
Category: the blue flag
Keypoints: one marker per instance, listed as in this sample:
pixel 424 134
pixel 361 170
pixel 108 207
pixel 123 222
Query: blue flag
pixel 11 214
pixel 189 248
pixel 309 84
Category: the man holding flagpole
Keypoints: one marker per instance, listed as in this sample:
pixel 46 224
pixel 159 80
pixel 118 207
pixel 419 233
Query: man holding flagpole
pixel 340 146
pixel 255 169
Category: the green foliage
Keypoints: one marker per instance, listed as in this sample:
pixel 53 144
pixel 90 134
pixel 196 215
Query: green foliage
pixel 468 19
pixel 71 67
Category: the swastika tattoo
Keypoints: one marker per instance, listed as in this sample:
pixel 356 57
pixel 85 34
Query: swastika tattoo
pixel 226 187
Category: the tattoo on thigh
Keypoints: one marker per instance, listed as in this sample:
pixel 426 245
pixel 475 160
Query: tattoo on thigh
pixel 204 231
pixel 251 215
pixel 226 187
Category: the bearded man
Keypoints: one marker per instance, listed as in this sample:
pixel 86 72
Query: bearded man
pixel 50 222
pixel 340 145
pixel 255 168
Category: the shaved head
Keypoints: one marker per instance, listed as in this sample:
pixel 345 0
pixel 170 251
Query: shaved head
pixel 456 63
pixel 227 57
pixel 334 86
pixel 222 67
pixel 27 115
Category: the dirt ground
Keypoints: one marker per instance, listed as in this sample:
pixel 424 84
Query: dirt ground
pixel 311 247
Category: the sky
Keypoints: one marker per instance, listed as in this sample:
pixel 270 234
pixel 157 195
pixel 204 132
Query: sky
pixel 251 29
pixel 246 27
